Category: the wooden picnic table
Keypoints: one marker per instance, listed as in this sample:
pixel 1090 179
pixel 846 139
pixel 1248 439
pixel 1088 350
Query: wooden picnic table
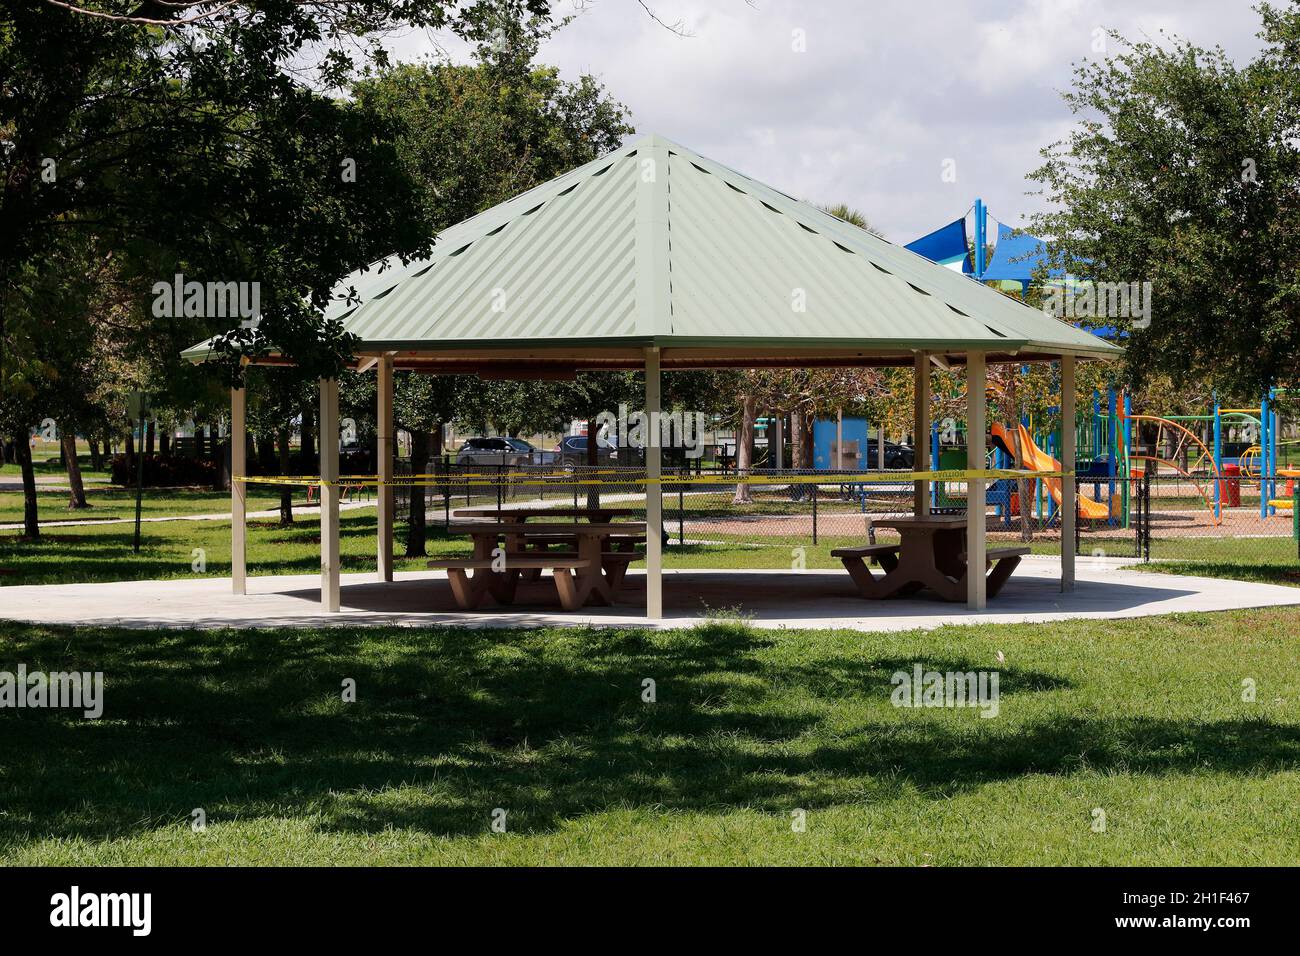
pixel 598 515
pixel 603 571
pixel 931 553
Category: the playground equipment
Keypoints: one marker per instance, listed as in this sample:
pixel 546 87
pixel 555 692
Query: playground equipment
pixel 1185 439
pixel 1253 455
pixel 1246 441
pixel 1026 454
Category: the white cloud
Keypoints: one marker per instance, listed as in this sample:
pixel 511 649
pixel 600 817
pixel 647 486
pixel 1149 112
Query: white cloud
pixel 885 92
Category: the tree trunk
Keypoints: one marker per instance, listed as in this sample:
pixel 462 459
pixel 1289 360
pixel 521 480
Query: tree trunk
pixel 96 456
pixel 221 481
pixel 76 490
pixel 805 445
pixel 286 492
pixel 593 459
pixel 1026 516
pixel 130 452
pixel 31 524
pixel 148 437
pixel 265 442
pixel 745 450
pixel 165 442
pixel 415 518
pixel 307 449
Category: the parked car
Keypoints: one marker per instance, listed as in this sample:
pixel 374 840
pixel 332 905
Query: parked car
pixel 573 451
pixel 494 451
pixel 534 455
pixel 896 456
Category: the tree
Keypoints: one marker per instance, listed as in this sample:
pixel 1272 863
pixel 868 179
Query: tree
pixel 852 216
pixel 275 399
pixel 422 404
pixel 1184 171
pixel 469 137
pixel 191 133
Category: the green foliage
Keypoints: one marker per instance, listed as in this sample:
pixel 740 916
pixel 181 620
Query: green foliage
pixel 1140 717
pixel 199 149
pixel 1184 171
pixel 470 137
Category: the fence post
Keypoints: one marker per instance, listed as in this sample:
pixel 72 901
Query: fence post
pixel 1077 523
pixel 1295 513
pixel 681 505
pixel 1146 516
pixel 814 497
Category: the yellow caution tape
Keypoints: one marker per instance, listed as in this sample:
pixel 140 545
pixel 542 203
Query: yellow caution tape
pixel 759 478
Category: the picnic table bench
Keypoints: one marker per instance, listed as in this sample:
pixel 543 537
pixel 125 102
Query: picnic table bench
pixel 469 591
pixel 931 554
pixel 598 514
pixel 590 572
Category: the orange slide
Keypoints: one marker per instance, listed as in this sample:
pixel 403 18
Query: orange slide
pixel 1021 447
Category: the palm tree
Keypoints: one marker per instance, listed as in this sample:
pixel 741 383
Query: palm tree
pixel 852 216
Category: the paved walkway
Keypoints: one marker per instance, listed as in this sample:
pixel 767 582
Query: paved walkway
pixel 298 512
pixel 773 599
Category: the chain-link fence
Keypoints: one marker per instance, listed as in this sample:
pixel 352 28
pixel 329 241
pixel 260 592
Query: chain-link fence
pixel 1229 521
pixel 718 517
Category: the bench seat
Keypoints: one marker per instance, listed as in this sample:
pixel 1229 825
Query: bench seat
pixel 1003 561
pixel 866 551
pixel 519 561
pixel 469 591
pixel 997 554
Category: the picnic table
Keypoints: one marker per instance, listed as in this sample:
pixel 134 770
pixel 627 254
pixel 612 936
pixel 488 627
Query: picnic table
pixel 931 553
pixel 592 573
pixel 599 515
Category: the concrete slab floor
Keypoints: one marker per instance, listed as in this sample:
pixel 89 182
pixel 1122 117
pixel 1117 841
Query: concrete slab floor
pixel 769 599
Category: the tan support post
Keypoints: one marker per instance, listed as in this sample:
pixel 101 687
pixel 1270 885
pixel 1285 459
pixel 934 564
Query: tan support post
pixel 921 432
pixel 328 439
pixel 238 491
pixel 1069 486
pixel 387 449
pixel 654 501
pixel 976 425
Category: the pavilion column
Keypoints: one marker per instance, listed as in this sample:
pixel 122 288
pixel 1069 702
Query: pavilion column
pixel 654 501
pixel 1069 486
pixel 386 450
pixel 238 491
pixel 328 439
pixel 976 412
pixel 921 433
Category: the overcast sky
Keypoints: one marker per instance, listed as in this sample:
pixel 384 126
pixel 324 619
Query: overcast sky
pixel 882 93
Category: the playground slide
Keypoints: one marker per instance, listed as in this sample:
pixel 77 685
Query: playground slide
pixel 1028 455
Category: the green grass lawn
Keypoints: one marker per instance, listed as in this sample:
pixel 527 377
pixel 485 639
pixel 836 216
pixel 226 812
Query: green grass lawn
pixel 104 553
pixel 112 502
pixel 1142 719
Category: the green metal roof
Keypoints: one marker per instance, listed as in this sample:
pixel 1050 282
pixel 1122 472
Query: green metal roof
pixel 654 244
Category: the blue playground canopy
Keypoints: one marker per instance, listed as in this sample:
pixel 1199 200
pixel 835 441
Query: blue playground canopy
pixel 946 246
pixel 1017 255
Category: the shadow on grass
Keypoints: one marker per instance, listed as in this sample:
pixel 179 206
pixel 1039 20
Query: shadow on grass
pixel 1233 570
pixel 549 724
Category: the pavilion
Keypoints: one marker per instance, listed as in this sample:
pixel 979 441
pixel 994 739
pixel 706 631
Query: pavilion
pixel 655 258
